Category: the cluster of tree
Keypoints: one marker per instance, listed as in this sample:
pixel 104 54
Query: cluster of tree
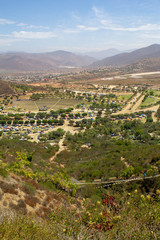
pixel 54 135
pixel 40 117
pixel 32 121
pixel 22 88
pixel 147 114
pixel 37 96
pixel 102 105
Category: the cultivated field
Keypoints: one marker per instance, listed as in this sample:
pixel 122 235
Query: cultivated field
pixel 50 104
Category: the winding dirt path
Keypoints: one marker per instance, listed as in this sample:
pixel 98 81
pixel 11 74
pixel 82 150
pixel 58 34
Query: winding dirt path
pixel 61 148
pixel 66 128
pixel 126 163
pixel 154 117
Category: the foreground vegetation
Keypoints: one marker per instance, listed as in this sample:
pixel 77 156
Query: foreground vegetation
pixel 127 211
pixel 135 214
pixel 40 192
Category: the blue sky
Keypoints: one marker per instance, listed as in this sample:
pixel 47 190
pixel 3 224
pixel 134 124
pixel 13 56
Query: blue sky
pixel 78 25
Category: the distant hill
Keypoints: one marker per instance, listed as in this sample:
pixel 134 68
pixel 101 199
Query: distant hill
pixel 146 65
pixel 42 61
pixel 103 54
pixel 124 59
pixel 19 62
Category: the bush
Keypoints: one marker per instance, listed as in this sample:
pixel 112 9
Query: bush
pixel 28 188
pixel 3 172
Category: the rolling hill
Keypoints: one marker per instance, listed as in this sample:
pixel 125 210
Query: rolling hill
pixel 145 65
pixel 124 59
pixel 42 61
pixel 18 62
pixel 99 55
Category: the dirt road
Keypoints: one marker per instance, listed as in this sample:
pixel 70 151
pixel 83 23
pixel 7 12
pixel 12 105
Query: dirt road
pixel 129 108
pixel 137 104
pixel 61 148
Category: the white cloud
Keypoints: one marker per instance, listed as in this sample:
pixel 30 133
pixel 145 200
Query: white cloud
pixel 150 27
pixel 75 17
pixel 21 24
pixel 7 41
pixel 85 28
pixel 36 27
pixel 33 35
pixel 71 31
pixel 6 21
pixel 98 13
pixel 27 26
pixel 107 23
pixel 150 36
pixel 81 28
pixel 147 27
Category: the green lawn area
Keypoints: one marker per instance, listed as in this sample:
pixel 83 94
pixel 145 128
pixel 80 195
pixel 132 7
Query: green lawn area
pixel 149 101
pixel 156 93
pixel 124 97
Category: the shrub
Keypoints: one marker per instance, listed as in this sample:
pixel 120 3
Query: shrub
pixel 28 188
pixel 3 172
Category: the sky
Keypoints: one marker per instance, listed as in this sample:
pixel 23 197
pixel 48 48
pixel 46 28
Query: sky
pixel 78 25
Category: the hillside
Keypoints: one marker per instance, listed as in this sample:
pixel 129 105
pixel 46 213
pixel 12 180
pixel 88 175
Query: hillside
pixel 123 59
pixel 146 65
pixel 34 206
pixel 42 197
pixel 103 54
pixel 42 61
pixel 5 88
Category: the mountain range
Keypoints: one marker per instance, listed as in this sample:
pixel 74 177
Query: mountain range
pixel 62 59
pixel 123 59
pixel 42 61
pixel 99 55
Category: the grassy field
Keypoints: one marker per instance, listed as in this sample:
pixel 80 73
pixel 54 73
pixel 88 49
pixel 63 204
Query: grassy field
pixel 124 97
pixel 149 101
pixel 51 104
pixel 156 93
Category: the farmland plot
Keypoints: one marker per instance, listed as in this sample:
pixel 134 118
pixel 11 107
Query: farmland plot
pixel 50 104
pixel 46 102
pixel 26 105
